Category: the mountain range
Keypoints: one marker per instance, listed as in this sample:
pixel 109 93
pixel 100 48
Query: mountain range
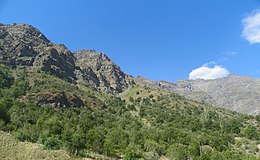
pixel 23 45
pixel 235 93
pixel 82 104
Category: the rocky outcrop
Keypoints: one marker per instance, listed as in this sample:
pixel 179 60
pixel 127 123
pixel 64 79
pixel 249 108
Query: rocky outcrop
pixel 99 71
pixel 22 45
pixel 236 93
pixel 57 99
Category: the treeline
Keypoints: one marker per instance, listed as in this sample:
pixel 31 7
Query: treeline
pixel 141 128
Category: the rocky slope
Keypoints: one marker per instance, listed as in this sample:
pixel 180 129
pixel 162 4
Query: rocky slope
pixel 23 45
pixel 236 93
pixel 98 70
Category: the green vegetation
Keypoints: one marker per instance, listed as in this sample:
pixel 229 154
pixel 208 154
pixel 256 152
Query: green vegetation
pixel 142 124
pixel 10 148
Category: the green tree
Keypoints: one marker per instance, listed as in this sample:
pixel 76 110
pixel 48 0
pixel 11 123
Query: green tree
pixel 116 141
pixel 251 132
pixel 78 142
pixel 5 105
pixel 6 80
pixel 177 151
pixel 194 147
pixel 132 152
pixel 52 143
pixel 53 126
pixel 95 139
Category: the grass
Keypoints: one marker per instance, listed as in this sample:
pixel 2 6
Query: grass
pixel 11 149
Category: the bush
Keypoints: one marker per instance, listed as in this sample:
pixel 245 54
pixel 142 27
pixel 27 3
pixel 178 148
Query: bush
pixel 177 151
pixel 52 143
pixel 251 132
pixel 132 152
pixel 21 135
pixel 6 80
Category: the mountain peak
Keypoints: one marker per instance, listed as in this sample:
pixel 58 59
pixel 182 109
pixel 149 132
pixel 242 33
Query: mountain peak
pixel 25 32
pixel 23 45
pixel 101 72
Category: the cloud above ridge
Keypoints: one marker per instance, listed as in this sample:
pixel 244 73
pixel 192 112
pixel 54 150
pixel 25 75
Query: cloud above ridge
pixel 206 72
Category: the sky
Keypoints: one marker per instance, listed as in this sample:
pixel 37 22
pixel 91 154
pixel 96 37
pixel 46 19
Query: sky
pixel 160 40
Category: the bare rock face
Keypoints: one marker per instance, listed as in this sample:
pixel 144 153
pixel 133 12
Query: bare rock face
pixel 57 100
pixel 22 45
pixel 236 93
pixel 99 71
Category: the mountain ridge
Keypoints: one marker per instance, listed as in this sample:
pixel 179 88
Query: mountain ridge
pixel 233 92
pixel 23 45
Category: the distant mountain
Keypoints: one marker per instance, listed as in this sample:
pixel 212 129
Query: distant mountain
pixel 236 93
pixel 22 45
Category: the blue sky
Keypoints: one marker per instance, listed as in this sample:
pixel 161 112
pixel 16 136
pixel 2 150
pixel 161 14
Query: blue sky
pixel 161 40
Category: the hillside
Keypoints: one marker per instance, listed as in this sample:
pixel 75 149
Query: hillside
pixel 143 123
pixel 10 148
pixel 69 102
pixel 235 93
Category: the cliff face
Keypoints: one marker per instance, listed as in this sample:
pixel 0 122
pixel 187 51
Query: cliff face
pixel 23 45
pixel 98 70
pixel 236 93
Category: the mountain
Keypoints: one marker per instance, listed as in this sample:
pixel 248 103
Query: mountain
pixel 235 93
pixel 22 45
pixel 82 104
pixel 98 70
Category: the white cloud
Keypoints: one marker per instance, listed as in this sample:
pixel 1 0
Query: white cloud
pixel 206 72
pixel 251 27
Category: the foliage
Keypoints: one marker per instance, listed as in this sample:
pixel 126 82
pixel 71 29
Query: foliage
pixel 159 124
pixel 6 79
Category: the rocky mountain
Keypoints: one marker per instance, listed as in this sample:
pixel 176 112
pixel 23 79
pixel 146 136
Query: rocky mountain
pixel 99 71
pixel 60 99
pixel 236 93
pixel 22 45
